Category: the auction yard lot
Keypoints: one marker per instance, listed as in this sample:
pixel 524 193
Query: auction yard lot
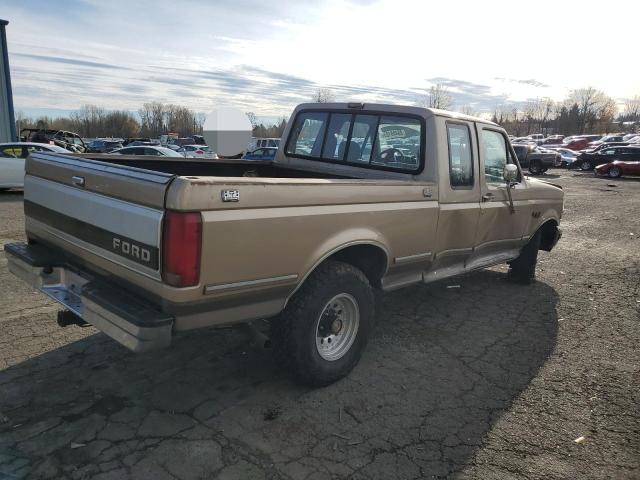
pixel 473 377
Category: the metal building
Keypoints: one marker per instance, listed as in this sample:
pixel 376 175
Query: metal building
pixel 7 118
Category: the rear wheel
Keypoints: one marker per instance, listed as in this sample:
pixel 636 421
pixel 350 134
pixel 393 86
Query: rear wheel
pixel 615 172
pixel 523 268
pixel 321 334
pixel 535 168
pixel 585 165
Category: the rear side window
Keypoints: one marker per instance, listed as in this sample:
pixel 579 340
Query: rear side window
pixel 376 141
pixel 460 156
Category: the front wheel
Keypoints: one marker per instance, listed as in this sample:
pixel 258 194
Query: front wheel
pixel 615 172
pixel 585 165
pixel 523 268
pixel 320 335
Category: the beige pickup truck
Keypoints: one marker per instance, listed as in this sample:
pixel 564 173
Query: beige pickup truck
pixel 359 198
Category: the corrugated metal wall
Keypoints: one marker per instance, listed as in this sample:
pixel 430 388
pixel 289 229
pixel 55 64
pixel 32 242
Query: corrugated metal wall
pixel 7 120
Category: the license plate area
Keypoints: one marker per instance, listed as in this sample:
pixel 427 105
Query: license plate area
pixel 64 286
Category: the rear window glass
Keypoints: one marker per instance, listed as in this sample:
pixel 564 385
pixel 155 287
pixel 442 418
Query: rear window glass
pixel 308 134
pixel 377 141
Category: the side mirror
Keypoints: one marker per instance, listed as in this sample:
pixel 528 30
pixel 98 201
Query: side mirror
pixel 510 173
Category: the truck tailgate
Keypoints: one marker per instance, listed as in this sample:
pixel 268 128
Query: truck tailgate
pixel 112 211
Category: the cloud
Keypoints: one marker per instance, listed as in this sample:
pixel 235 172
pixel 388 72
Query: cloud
pixel 263 56
pixel 531 81
pixel 69 61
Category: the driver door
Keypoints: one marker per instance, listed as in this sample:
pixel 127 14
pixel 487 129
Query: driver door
pixel 500 231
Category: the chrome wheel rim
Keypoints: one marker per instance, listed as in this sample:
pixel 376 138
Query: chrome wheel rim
pixel 337 327
pixel 614 172
pixel 585 165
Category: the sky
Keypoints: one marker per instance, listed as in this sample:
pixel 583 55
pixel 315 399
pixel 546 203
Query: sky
pixel 268 56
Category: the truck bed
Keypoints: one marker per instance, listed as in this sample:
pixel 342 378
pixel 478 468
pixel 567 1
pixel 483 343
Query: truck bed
pixel 209 168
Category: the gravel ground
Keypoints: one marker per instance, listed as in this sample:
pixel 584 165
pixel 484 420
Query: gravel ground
pixel 486 380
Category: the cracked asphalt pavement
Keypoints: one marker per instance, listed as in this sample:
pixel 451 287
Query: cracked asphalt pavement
pixel 469 378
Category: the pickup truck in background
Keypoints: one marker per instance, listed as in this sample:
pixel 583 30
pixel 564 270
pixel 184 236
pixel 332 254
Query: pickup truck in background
pixel 359 198
pixel 537 160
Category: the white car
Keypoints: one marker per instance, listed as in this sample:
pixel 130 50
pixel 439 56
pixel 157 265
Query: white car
pixel 146 150
pixel 568 156
pixel 12 157
pixel 197 151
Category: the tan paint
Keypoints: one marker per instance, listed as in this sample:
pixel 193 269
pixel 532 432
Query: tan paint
pixel 256 252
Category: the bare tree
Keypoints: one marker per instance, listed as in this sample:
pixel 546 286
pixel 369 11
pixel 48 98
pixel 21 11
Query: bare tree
pixel 323 95
pixel 253 120
pixel 631 110
pixel 468 110
pixel 438 97
pixel 594 108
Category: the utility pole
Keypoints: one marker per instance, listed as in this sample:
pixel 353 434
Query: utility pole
pixel 7 116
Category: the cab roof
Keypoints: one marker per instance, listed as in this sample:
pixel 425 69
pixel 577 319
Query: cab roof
pixel 390 107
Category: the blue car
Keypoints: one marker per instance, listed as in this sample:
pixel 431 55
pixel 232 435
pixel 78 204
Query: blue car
pixel 261 154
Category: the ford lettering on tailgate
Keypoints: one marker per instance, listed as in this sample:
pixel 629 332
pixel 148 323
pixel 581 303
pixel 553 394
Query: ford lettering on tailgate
pixel 138 252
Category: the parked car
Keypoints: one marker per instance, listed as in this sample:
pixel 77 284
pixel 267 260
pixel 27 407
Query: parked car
pixel 264 143
pixel 197 151
pixel 577 143
pixel 103 145
pixel 588 161
pixel 553 140
pixel 536 159
pixel 630 137
pixel 618 168
pixel 606 139
pixel 140 141
pixel 261 154
pixel 567 156
pixel 604 145
pixel 181 142
pixel 143 143
pixel 522 140
pixel 12 156
pixel 198 140
pixel 147 150
pixel 67 140
pixel 166 252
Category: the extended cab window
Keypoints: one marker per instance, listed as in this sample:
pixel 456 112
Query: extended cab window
pixel 494 149
pixel 398 143
pixel 308 134
pixel 460 157
pixel 370 140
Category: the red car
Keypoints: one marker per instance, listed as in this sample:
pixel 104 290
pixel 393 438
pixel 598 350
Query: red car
pixel 577 144
pixel 618 168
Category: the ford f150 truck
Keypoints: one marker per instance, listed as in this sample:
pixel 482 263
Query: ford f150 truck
pixel 359 198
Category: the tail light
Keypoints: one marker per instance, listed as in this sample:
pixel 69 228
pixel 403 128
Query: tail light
pixel 181 246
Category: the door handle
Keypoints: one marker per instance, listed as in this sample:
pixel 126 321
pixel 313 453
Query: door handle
pixel 487 196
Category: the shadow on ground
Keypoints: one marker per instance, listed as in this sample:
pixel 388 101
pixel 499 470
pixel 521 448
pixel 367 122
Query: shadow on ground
pixel 10 195
pixel 443 365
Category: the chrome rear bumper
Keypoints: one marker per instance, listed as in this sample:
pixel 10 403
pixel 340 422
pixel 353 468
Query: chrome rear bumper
pixel 125 317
